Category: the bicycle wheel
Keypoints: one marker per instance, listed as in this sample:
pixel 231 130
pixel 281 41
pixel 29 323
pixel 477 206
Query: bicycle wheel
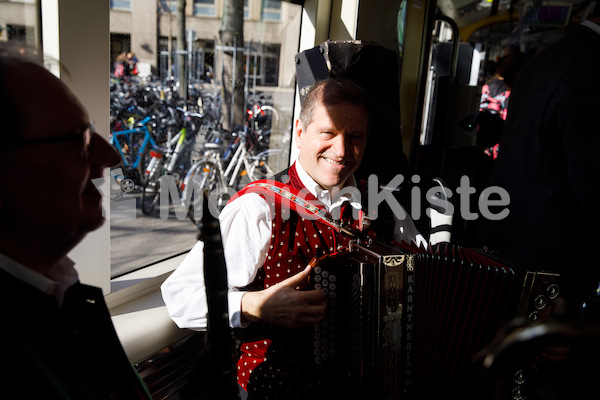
pixel 260 167
pixel 204 175
pixel 150 196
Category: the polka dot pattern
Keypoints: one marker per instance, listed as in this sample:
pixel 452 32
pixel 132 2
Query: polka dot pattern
pixel 295 241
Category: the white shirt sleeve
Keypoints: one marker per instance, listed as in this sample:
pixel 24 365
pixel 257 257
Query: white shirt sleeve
pixel 246 231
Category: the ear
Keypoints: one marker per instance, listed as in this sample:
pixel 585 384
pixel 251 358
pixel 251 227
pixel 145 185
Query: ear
pixel 298 130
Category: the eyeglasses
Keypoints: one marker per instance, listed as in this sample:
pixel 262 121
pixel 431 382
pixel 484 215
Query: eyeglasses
pixel 85 137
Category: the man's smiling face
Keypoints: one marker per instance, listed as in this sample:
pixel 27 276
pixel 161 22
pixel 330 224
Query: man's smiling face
pixel 331 147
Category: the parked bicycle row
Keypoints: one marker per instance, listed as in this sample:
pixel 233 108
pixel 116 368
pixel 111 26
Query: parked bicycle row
pixel 165 142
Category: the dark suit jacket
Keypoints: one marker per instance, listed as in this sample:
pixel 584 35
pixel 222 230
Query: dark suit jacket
pixel 549 163
pixel 71 352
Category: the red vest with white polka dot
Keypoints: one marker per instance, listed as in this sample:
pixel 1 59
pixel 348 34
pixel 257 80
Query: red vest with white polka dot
pixel 296 239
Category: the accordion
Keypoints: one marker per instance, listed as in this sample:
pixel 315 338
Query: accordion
pixel 406 323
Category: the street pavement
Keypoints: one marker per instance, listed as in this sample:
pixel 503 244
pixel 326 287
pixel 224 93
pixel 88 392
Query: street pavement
pixel 145 240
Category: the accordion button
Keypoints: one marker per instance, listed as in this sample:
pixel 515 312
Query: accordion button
pixel 332 286
pixel 318 278
pixel 534 317
pixel 332 278
pixel 552 291
pixel 517 393
pixel 540 302
pixel 519 377
pixel 324 282
pixel 318 286
pixel 332 295
pixel 318 270
pixel 325 274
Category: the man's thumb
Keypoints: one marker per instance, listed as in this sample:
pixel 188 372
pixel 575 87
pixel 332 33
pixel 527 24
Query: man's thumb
pixel 300 280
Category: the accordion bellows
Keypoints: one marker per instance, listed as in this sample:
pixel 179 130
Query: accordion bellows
pixel 407 323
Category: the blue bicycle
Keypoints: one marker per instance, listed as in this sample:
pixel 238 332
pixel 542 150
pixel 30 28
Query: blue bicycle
pixel 134 146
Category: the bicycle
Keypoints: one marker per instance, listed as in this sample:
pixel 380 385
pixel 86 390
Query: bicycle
pixel 134 149
pixel 223 176
pixel 172 160
pixel 259 115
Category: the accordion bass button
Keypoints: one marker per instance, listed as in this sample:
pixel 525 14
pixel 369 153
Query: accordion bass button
pixel 517 393
pixel 520 377
pixel 552 291
pixel 534 317
pixel 540 302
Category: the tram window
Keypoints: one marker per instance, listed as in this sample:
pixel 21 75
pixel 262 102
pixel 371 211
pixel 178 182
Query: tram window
pixel 141 236
pixel 19 22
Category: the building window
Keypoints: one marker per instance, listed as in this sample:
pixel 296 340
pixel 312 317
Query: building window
pixel 205 8
pixel 246 10
pixel 120 4
pixel 271 10
pixel 168 6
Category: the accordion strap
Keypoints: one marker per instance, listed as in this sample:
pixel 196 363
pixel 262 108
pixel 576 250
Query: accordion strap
pixel 300 201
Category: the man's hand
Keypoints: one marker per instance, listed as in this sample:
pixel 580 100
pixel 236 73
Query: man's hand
pixel 284 305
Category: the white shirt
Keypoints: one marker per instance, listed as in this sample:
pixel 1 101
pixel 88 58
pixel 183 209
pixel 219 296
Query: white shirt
pixel 246 231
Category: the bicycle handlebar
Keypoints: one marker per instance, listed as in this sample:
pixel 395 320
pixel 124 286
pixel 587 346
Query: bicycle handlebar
pixel 189 113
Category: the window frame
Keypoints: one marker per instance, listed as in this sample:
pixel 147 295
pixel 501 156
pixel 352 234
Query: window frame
pixel 134 299
pixel 86 55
